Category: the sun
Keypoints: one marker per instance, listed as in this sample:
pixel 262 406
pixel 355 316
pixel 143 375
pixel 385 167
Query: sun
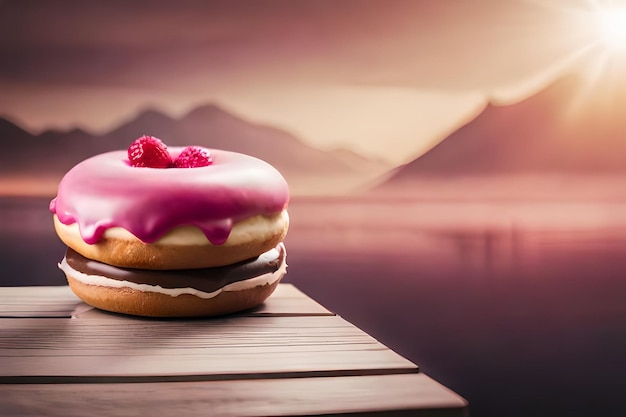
pixel 611 25
pixel 595 34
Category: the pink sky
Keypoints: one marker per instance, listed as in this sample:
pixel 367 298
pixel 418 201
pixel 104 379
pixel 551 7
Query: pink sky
pixel 387 79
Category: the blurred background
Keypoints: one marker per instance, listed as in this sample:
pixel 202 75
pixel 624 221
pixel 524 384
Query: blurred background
pixel 457 168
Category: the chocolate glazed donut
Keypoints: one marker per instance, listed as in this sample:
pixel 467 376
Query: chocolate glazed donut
pixel 176 293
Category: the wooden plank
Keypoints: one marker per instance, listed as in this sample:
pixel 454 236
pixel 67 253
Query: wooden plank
pixel 389 395
pixel 123 348
pixel 56 301
pixel 59 301
pixel 289 300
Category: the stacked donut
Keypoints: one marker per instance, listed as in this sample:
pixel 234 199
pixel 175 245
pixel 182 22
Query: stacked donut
pixel 175 232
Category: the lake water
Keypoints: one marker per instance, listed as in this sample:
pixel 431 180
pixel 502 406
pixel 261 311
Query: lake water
pixel 518 307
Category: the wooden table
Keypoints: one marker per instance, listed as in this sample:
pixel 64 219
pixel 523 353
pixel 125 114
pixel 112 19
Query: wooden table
pixel 291 356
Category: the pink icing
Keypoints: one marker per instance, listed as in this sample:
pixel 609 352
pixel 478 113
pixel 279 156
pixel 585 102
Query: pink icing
pixel 105 191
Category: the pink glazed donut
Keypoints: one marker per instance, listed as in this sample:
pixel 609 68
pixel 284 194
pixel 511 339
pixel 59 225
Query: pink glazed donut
pixel 171 218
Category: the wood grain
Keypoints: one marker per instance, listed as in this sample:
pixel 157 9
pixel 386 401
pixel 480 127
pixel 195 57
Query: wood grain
pixel 60 302
pixel 234 347
pixel 290 356
pixel 389 395
pixel 37 302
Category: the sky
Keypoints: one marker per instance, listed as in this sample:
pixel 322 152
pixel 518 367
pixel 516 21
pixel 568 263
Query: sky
pixel 386 79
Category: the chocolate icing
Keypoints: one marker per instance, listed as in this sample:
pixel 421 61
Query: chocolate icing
pixel 207 279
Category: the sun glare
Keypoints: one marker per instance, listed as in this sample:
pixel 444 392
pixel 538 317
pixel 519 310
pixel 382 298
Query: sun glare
pixel 612 27
pixel 596 31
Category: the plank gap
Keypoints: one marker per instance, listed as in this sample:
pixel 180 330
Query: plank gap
pixel 108 379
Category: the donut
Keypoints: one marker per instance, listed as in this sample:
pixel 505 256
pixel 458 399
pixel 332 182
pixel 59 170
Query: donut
pixel 153 208
pixel 173 218
pixel 175 293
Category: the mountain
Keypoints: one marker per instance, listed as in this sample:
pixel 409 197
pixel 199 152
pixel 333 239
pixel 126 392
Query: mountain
pixel 569 128
pixel 54 152
pixel 213 127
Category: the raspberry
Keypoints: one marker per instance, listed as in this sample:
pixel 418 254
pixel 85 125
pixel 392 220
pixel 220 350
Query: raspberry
pixel 193 157
pixel 149 152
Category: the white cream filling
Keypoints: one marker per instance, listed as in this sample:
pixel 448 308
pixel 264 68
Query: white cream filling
pixel 99 280
pixel 241 232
